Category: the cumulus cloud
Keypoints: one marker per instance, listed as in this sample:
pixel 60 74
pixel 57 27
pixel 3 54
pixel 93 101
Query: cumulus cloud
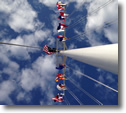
pixel 21 17
pixel 55 23
pixel 6 88
pixel 9 67
pixel 41 74
pixel 96 22
pixel 52 3
pixel 72 46
pixel 79 3
pixel 17 19
pixel 42 70
pixel 49 3
pixel 32 39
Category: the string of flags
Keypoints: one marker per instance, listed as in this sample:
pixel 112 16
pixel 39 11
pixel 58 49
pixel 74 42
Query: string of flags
pixel 61 28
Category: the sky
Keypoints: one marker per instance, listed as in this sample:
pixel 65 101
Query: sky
pixel 27 76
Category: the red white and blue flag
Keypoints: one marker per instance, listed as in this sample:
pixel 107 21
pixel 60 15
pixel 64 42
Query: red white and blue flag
pixel 60 36
pixel 60 6
pixel 61 27
pixel 45 49
pixel 63 14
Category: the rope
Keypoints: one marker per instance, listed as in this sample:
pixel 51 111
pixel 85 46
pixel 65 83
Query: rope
pixel 85 92
pixel 110 23
pixel 73 95
pixel 95 80
pixel 67 102
pixel 107 24
pixel 99 8
pixel 21 45
pixel 75 10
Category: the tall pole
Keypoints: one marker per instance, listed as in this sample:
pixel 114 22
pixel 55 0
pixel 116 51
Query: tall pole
pixel 64 50
pixel 105 56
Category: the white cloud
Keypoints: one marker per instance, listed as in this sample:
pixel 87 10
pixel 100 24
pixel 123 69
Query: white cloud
pixel 72 46
pixel 20 96
pixel 29 79
pixel 79 3
pixel 49 3
pixel 52 3
pixel 9 67
pixel 32 39
pixel 20 14
pixel 42 72
pixel 97 21
pixel 112 33
pixel 24 96
pixel 6 88
pixel 22 17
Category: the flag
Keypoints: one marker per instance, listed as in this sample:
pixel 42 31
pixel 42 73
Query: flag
pixel 61 66
pixel 61 27
pixel 60 36
pixel 61 87
pixel 61 18
pixel 60 7
pixel 45 49
pixel 63 14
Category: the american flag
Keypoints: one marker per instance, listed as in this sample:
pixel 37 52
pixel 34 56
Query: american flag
pixel 45 49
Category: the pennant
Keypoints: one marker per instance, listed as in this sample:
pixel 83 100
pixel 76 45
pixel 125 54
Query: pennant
pixel 61 27
pixel 63 14
pixel 60 36
pixel 63 24
pixel 60 7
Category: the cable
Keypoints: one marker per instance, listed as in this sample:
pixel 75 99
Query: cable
pixel 88 15
pixel 74 10
pixel 84 33
pixel 21 45
pixel 72 94
pixel 95 80
pixel 85 92
pixel 68 103
pixel 99 8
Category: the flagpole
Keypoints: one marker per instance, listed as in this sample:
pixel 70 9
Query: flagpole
pixel 64 49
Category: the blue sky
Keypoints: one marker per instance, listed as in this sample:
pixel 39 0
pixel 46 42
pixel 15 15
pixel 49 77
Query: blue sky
pixel 27 75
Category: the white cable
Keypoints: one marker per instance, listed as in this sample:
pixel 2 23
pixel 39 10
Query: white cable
pixel 83 17
pixel 72 94
pixel 89 95
pixel 95 80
